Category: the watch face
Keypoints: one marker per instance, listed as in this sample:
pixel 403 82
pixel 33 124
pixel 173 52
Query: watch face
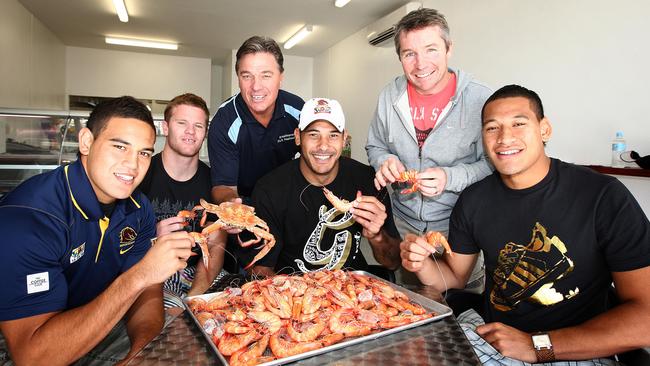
pixel 541 341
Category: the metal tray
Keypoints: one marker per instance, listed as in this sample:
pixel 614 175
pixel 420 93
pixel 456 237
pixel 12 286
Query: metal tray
pixel 439 309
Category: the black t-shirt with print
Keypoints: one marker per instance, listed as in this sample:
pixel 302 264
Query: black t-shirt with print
pixel 310 234
pixel 550 249
pixel 169 196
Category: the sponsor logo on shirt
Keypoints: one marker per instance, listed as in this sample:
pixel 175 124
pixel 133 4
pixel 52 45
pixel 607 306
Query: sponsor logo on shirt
pixel 127 239
pixel 285 138
pixel 77 253
pixel 38 282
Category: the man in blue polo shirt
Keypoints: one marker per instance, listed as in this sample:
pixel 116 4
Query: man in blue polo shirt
pixel 252 132
pixel 75 254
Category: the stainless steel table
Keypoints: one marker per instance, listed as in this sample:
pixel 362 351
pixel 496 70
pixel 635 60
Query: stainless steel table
pixel 437 343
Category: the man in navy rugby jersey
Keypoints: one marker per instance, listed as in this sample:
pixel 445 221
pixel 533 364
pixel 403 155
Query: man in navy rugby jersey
pixel 76 257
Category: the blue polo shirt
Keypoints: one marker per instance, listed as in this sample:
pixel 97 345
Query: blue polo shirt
pixel 58 251
pixel 241 150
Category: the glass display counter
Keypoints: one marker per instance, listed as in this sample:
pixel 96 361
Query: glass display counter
pixel 36 141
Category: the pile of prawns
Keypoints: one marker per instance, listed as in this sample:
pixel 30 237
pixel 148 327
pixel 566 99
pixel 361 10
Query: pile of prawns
pixel 296 314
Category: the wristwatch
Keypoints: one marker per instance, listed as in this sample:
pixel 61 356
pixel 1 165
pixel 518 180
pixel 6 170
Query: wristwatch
pixel 543 347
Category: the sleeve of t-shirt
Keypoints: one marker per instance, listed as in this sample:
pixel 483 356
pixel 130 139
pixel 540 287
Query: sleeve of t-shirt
pixel 33 243
pixel 622 229
pixel 264 208
pixel 146 231
pixel 461 235
pixel 222 151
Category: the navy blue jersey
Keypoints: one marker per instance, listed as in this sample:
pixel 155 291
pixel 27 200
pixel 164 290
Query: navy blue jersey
pixel 242 150
pixel 58 250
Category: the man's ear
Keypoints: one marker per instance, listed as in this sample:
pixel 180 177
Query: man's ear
pixel 86 139
pixel 296 134
pixel 165 128
pixel 546 129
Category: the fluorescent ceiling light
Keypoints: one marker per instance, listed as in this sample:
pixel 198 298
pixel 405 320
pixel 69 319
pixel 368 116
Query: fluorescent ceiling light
pixel 120 8
pixel 298 36
pixel 141 43
pixel 338 3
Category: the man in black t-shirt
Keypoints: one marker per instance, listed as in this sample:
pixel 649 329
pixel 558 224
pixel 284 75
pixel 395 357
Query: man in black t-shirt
pixel 310 233
pixel 175 181
pixel 554 237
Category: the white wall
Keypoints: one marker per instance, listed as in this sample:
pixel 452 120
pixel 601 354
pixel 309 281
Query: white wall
pixel 216 92
pixel 108 73
pixel 586 58
pixel 32 64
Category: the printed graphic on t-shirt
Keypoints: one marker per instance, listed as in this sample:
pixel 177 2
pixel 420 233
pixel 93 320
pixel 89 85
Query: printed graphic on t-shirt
pixel 529 272
pixel 337 252
pixel 167 208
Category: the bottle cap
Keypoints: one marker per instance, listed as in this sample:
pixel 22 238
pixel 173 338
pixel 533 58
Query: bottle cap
pixel 619 134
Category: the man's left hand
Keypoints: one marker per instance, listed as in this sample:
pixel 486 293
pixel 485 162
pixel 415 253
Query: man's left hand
pixel 509 341
pixel 432 181
pixel 370 213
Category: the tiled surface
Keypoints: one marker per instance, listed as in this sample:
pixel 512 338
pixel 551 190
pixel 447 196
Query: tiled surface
pixel 437 343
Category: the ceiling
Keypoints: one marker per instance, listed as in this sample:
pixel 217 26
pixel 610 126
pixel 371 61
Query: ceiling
pixel 208 28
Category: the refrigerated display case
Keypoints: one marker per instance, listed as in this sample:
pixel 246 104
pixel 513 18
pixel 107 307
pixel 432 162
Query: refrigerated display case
pixel 36 141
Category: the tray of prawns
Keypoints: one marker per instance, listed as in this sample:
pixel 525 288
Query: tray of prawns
pixel 286 318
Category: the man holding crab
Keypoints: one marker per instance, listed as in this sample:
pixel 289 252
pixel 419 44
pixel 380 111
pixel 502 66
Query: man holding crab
pixel 555 237
pixel 427 121
pixel 311 232
pixel 77 263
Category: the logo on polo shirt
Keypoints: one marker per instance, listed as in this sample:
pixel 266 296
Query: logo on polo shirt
pixel 127 239
pixel 77 253
pixel 38 282
pixel 285 138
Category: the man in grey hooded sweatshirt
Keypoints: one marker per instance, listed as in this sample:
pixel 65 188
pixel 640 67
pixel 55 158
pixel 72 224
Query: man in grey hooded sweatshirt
pixel 427 120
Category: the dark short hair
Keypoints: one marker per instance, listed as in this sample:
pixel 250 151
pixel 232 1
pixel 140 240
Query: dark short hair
pixel 419 19
pixel 186 99
pixel 514 91
pixel 124 107
pixel 257 44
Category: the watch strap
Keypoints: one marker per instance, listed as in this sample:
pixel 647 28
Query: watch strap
pixel 545 355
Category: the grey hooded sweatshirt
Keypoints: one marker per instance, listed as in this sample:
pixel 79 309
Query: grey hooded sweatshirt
pixel 454 144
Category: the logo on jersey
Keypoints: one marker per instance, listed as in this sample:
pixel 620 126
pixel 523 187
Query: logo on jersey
pixel 77 253
pixel 127 239
pixel 38 282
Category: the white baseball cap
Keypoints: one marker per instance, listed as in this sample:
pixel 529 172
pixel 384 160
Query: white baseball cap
pixel 316 109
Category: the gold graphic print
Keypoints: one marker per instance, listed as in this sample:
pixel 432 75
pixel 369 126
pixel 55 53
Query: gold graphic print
pixel 528 273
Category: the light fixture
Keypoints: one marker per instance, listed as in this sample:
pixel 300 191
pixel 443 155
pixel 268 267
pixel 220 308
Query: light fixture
pixel 298 36
pixel 120 8
pixel 141 43
pixel 341 3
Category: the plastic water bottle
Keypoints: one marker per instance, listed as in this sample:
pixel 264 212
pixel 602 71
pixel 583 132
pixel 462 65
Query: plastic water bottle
pixel 618 147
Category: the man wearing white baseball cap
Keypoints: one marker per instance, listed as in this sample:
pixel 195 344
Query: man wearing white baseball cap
pixel 311 234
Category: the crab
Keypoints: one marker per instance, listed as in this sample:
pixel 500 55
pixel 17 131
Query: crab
pixel 234 215
pixel 436 237
pixel 410 177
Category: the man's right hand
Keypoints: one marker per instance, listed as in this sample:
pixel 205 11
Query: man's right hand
pixel 167 256
pixel 414 251
pixel 169 225
pixel 388 172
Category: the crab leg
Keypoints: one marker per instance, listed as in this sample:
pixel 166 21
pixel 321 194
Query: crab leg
pixel 202 241
pixel 269 242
